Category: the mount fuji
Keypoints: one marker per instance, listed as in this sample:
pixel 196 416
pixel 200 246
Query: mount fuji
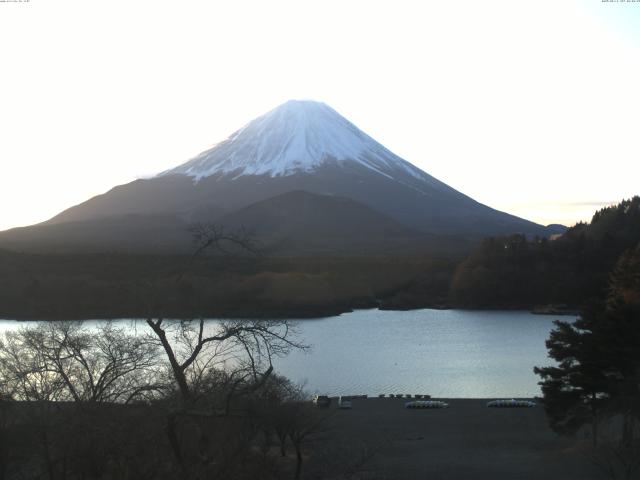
pixel 297 137
pixel 301 177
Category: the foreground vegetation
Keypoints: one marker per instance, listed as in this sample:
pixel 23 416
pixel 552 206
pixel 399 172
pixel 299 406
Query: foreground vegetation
pixel 596 381
pixel 177 400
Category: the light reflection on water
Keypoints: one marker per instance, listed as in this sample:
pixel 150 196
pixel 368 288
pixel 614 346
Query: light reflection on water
pixel 444 353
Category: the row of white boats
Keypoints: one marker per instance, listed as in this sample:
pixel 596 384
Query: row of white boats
pixel 503 403
pixel 345 402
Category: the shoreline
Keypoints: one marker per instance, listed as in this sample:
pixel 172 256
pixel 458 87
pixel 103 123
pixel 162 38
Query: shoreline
pixel 292 315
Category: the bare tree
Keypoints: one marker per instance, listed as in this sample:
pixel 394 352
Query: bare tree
pixel 245 346
pixel 24 373
pixel 305 423
pixel 212 237
pixel 66 361
pixel 209 360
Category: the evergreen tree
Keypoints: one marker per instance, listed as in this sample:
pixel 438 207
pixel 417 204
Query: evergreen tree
pixel 598 357
pixel 619 334
pixel 577 390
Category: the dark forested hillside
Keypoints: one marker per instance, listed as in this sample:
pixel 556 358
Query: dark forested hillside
pixel 516 272
pixel 502 272
pixel 120 286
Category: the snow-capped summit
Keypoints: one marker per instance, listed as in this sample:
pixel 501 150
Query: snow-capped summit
pixel 297 136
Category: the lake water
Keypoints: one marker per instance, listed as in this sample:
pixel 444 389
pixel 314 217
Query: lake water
pixel 443 353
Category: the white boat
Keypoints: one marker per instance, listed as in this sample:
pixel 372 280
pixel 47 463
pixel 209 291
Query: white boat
pixel 344 402
pixel 510 403
pixel 426 404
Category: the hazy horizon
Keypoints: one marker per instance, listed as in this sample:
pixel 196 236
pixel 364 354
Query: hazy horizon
pixel 528 108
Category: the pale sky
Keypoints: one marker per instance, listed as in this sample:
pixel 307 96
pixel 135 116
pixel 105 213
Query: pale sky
pixel 531 107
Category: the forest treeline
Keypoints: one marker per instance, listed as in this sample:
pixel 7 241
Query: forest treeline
pixel 516 272
pixel 502 272
pixel 124 286
pixel 593 389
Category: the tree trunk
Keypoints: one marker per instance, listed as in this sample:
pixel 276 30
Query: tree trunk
pixel 172 435
pixel 282 438
pixel 227 400
pixel 178 371
pixel 298 461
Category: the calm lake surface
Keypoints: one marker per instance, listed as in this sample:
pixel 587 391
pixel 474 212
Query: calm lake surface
pixel 443 353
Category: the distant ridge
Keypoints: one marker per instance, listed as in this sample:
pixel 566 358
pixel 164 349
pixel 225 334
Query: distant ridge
pixel 300 221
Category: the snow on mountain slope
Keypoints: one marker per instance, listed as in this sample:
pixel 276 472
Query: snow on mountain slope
pixel 299 146
pixel 298 136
